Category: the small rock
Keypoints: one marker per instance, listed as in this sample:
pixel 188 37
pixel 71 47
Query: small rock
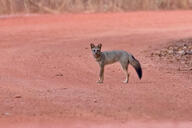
pixel 184 47
pixel 59 74
pixel 170 51
pixel 129 108
pixel 189 52
pixel 182 52
pixel 182 62
pixel 18 96
pixel 6 114
pixel 95 100
pixel 170 48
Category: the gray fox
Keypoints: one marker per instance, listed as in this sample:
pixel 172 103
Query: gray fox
pixel 109 57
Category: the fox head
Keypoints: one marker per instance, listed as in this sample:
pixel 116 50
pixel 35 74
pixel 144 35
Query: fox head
pixel 96 50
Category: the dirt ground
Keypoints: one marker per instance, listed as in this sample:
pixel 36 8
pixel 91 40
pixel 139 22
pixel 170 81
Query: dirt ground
pixel 48 74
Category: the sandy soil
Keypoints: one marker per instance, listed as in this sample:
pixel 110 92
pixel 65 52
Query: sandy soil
pixel 48 75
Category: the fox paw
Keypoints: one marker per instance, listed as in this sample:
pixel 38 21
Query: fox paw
pixel 99 81
pixel 125 81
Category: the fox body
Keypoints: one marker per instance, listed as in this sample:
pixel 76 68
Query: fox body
pixel 109 57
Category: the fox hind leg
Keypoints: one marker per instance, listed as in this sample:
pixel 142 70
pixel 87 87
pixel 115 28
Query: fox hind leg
pixel 125 70
pixel 126 76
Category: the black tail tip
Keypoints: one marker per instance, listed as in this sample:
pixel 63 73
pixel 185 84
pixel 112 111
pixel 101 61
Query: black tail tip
pixel 139 72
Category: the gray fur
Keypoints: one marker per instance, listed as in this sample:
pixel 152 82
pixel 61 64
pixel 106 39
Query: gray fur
pixel 109 57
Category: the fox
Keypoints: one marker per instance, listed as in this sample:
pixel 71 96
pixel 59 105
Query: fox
pixel 108 57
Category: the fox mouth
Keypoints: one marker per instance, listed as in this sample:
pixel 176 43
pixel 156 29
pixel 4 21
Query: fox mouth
pixel 97 55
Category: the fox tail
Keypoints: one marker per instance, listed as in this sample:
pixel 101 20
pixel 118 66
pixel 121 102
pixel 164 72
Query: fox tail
pixel 137 66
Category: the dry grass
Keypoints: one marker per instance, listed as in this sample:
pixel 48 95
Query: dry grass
pixel 57 6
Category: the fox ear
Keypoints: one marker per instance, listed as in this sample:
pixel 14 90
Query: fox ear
pixel 99 45
pixel 92 45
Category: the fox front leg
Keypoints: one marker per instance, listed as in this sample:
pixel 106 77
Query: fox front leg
pixel 101 74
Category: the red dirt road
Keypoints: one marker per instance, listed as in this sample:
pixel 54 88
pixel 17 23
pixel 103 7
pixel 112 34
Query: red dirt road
pixel 48 75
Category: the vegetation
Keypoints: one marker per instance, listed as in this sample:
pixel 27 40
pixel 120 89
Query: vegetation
pixel 57 6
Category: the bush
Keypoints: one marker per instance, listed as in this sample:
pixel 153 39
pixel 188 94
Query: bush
pixel 57 6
